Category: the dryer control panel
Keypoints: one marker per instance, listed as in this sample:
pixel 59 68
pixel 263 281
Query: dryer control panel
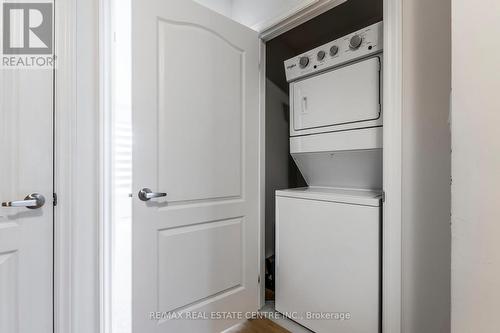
pixel 359 44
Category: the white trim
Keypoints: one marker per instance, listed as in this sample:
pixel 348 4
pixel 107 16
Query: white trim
pixel 392 165
pixel 76 288
pixel 262 174
pixel 295 17
pixel 105 143
pixel 64 145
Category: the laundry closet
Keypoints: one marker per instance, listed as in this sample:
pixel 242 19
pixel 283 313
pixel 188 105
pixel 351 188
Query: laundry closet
pixel 318 167
pixel 324 169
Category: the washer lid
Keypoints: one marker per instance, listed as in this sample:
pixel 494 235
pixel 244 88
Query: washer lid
pixel 341 195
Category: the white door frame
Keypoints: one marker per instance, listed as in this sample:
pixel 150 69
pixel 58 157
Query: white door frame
pixel 392 168
pixel 78 124
pixel 64 145
pixel 77 132
pixel 392 161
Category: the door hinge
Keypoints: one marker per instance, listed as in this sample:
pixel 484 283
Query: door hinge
pixel 54 199
pixel 258 279
pixel 383 196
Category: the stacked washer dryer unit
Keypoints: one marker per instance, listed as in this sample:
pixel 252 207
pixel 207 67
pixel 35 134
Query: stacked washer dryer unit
pixel 328 235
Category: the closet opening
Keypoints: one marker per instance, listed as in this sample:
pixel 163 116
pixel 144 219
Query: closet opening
pixel 323 144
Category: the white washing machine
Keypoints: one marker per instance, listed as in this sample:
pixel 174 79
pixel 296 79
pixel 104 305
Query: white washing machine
pixel 328 257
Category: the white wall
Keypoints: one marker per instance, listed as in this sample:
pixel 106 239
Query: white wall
pixel 426 168
pixel 252 13
pixel 476 167
pixel 223 7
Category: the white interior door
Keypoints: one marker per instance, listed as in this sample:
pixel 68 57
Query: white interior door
pixel 25 234
pixel 196 132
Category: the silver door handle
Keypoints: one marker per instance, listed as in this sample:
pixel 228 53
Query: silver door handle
pixel 32 201
pixel 146 194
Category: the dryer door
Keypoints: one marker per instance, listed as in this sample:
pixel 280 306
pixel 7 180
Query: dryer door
pixel 344 98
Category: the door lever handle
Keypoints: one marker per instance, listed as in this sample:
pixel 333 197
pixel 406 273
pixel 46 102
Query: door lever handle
pixel 146 194
pixel 32 201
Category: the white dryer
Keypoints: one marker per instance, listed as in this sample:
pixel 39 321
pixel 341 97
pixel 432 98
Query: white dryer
pixel 337 86
pixel 336 111
pixel 344 98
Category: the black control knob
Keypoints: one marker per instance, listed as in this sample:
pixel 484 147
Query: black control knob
pixel 334 50
pixel 303 62
pixel 321 55
pixel 355 42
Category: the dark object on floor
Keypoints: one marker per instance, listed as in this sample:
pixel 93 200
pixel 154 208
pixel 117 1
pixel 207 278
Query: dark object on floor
pixel 270 277
pixel 269 295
